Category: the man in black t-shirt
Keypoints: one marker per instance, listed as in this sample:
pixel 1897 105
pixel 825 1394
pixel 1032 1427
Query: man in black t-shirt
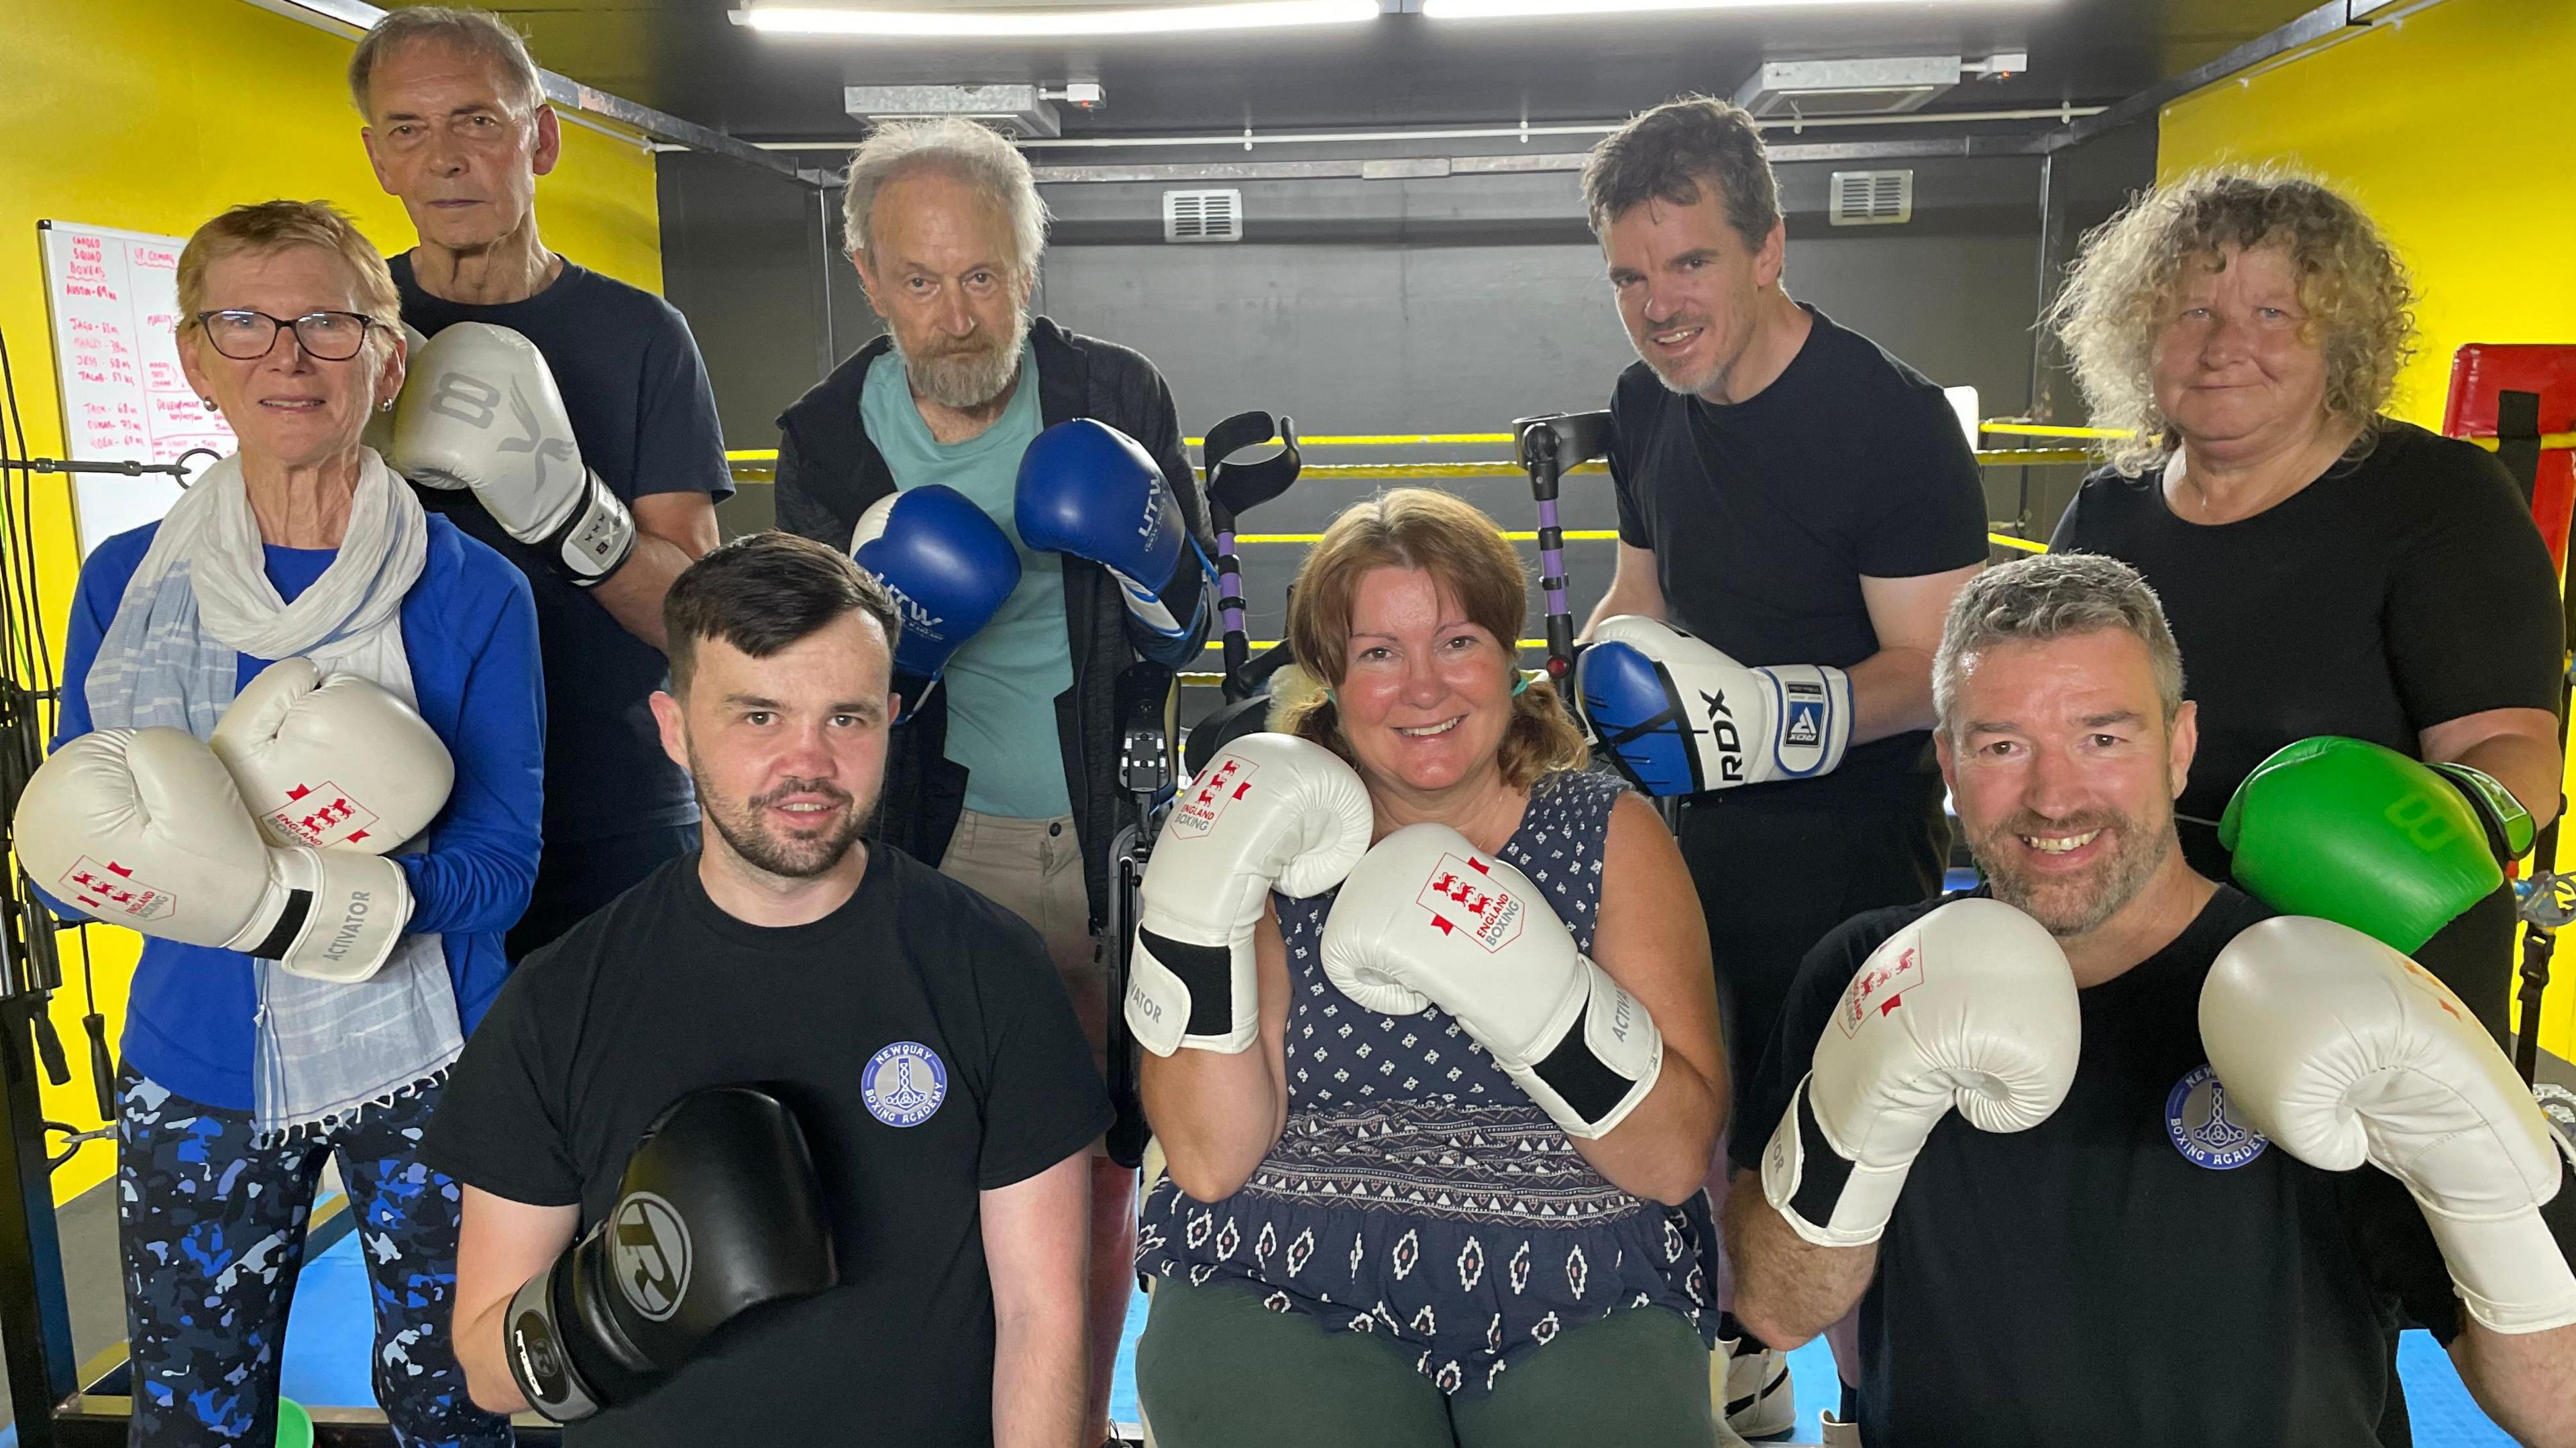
pixel 459 131
pixel 2103 1240
pixel 1792 495
pixel 914 1031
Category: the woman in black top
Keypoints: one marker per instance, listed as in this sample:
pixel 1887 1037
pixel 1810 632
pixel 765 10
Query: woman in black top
pixel 2327 569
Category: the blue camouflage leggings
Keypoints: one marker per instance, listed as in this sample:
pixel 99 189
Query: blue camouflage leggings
pixel 211 1225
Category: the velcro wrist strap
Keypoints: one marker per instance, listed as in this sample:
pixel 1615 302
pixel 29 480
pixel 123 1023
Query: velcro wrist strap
pixel 594 539
pixel 2509 1271
pixel 1606 1062
pixel 2508 824
pixel 533 1340
pixel 1206 974
pixel 1147 607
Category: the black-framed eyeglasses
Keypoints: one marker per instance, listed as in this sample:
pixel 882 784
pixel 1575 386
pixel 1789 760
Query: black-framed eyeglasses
pixel 245 335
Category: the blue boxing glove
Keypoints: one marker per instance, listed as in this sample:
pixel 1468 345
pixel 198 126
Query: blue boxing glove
pixel 1089 490
pixel 1681 717
pixel 949 567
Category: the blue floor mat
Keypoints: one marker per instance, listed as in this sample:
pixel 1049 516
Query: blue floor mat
pixel 329 1342
pixel 2444 1415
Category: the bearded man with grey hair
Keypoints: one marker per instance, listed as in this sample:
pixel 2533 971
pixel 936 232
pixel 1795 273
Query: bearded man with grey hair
pixel 1997 1123
pixel 916 446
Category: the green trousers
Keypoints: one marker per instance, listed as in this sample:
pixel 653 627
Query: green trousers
pixel 1216 1369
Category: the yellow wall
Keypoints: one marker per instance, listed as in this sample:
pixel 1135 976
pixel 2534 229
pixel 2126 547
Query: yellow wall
pixel 2450 128
pixel 153 115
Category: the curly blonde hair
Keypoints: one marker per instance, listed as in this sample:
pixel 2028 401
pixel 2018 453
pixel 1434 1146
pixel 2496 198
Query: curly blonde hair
pixel 1465 554
pixel 2125 284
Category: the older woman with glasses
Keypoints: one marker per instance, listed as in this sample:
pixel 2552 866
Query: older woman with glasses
pixel 299 749
pixel 2328 570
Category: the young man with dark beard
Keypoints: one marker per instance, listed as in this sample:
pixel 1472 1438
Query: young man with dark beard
pixel 2078 1143
pixel 910 1029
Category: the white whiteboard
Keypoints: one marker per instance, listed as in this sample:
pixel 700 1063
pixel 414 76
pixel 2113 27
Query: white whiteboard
pixel 114 299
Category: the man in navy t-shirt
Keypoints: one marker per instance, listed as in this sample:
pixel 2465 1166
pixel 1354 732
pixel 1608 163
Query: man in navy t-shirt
pixel 1794 497
pixel 458 129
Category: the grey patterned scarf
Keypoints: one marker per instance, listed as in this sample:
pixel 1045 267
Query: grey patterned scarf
pixel 199 600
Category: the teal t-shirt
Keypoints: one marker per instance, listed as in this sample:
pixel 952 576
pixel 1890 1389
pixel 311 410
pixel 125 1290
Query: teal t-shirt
pixel 1001 683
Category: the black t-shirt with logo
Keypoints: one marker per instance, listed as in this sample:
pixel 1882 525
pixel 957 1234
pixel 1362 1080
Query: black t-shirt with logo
pixel 644 413
pixel 2138 1269
pixel 927 1050
pixel 1764 516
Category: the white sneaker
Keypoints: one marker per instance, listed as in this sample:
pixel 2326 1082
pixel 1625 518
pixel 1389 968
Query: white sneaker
pixel 1752 1389
pixel 1839 1434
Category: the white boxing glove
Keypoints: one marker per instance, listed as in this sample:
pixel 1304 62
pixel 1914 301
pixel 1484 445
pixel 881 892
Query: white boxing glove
pixel 1272 810
pixel 481 411
pixel 337 765
pixel 1973 1006
pixel 143 828
pixel 1682 717
pixel 2343 1051
pixel 1427 918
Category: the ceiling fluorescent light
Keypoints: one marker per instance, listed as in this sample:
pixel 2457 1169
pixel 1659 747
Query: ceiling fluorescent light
pixel 1598 9
pixel 1068 21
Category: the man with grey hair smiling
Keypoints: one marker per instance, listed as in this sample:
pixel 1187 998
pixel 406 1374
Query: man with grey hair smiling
pixel 938 453
pixel 1996 1122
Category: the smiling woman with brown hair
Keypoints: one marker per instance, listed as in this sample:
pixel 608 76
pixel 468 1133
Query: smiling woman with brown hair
pixel 1435 1138
pixel 2328 569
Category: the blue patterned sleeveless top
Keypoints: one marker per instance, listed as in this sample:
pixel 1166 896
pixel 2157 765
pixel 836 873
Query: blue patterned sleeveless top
pixel 1416 1193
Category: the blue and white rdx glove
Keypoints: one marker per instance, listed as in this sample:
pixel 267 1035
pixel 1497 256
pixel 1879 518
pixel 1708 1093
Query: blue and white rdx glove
pixel 1680 717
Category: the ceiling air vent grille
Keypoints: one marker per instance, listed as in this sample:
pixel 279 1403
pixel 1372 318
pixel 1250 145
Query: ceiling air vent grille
pixel 1873 198
pixel 1203 215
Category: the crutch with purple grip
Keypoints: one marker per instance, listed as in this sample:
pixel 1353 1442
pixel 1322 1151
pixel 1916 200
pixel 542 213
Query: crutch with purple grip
pixel 1244 470
pixel 1549 447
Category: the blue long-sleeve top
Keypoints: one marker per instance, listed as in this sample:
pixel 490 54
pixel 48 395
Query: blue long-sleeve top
pixel 470 628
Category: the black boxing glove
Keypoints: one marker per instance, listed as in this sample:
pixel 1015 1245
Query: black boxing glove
pixel 719 1212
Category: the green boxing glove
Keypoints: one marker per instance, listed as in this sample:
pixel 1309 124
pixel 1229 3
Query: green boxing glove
pixel 2348 831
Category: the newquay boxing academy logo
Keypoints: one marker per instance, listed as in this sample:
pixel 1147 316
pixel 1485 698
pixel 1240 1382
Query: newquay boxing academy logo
pixel 1462 895
pixel 650 1253
pixel 1879 989
pixel 904 1084
pixel 1210 793
pixel 2196 1119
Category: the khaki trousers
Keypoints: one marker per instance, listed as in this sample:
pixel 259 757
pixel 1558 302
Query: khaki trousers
pixel 1033 868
